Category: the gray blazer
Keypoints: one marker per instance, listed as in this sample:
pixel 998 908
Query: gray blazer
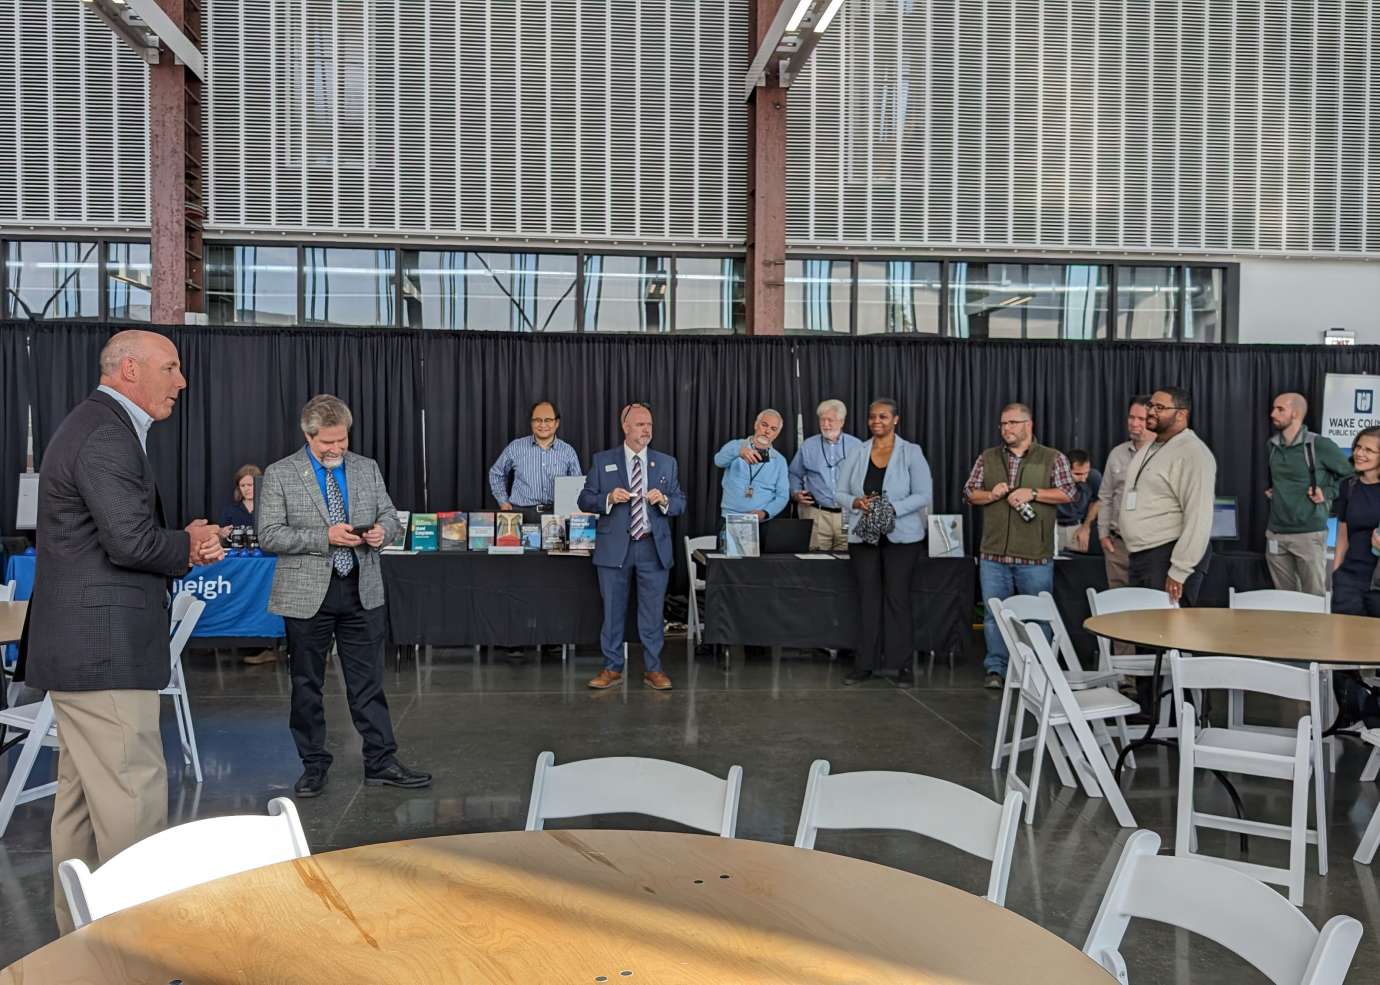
pixel 292 524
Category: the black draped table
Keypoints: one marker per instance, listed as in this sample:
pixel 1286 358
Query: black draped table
pixel 785 600
pixel 1243 571
pixel 464 599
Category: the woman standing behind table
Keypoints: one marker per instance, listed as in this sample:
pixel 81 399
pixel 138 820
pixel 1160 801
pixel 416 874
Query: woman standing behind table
pixel 239 512
pixel 1354 566
pixel 885 491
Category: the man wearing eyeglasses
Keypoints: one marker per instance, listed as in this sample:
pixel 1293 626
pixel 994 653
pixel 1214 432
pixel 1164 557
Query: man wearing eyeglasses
pixel 1019 486
pixel 534 461
pixel 1166 507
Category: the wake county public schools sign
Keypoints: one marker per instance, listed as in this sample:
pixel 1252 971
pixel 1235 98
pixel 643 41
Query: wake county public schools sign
pixel 1349 405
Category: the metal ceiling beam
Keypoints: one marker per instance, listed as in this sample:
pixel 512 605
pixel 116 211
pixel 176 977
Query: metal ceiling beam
pixel 788 43
pixel 142 24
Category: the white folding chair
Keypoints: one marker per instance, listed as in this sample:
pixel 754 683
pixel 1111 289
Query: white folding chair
pixel 697 584
pixel 36 720
pixel 1113 600
pixel 1226 907
pixel 186 610
pixel 1365 854
pixel 182 856
pixel 1037 608
pixel 1046 696
pixel 925 805
pixel 7 590
pixel 1295 757
pixel 634 785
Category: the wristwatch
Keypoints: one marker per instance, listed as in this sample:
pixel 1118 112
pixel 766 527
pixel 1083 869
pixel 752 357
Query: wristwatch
pixel 1034 493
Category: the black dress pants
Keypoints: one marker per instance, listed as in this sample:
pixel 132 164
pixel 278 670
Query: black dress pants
pixel 886 634
pixel 359 637
pixel 1149 569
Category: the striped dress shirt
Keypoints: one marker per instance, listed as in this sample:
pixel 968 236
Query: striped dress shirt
pixel 534 470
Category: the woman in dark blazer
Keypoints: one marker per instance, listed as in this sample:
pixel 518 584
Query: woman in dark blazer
pixel 885 465
pixel 239 512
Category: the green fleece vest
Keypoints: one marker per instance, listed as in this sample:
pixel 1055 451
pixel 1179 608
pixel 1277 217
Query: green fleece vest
pixel 1004 533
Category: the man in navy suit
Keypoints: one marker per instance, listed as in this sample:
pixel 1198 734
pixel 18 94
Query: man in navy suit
pixel 635 491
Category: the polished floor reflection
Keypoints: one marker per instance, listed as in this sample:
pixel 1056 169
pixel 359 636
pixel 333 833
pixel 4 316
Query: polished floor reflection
pixel 478 721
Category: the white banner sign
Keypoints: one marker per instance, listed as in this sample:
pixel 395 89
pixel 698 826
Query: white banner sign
pixel 1349 404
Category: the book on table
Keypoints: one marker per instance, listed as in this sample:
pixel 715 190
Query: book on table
pixel 740 536
pixel 424 531
pixel 399 543
pixel 508 530
pixel 582 529
pixel 455 530
pixel 552 532
pixel 481 531
pixel 531 536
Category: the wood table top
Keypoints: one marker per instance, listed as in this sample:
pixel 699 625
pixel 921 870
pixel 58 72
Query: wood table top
pixel 565 906
pixel 12 620
pixel 1269 635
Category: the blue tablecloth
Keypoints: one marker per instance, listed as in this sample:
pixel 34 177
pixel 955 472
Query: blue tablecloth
pixel 235 592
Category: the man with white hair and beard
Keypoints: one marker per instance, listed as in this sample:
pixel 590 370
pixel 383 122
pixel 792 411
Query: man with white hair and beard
pixel 325 513
pixel 814 475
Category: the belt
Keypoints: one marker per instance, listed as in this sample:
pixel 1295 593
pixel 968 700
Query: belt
pixel 829 509
pixel 540 507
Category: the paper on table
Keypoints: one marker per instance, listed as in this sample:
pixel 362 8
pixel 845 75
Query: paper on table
pixel 816 557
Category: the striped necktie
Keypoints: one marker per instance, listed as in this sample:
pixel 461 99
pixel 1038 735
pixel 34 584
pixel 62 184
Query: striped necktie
pixel 639 501
pixel 342 558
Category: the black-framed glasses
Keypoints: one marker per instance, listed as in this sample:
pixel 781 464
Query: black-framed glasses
pixel 545 420
pixel 1159 407
pixel 1011 424
pixel 632 406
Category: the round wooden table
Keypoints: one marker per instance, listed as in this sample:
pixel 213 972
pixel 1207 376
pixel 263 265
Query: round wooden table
pixel 1299 636
pixel 554 907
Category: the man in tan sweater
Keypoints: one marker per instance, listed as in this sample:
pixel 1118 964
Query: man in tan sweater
pixel 1166 509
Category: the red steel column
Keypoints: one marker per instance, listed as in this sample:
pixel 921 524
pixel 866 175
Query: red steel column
pixel 175 206
pixel 766 193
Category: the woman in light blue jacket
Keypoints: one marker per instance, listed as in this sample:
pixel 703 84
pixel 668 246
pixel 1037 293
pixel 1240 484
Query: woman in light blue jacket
pixel 885 471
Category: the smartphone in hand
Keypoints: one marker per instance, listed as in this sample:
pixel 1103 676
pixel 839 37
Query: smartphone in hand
pixel 361 531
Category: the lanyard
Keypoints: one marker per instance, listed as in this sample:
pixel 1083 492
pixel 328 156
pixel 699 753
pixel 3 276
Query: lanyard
pixel 1148 455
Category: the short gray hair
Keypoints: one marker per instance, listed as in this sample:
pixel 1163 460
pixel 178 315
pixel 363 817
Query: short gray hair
pixel 130 344
pixel 769 412
pixel 837 406
pixel 325 411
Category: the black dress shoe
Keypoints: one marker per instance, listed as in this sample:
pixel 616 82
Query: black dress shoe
pixel 395 774
pixel 857 677
pixel 311 782
pixel 905 678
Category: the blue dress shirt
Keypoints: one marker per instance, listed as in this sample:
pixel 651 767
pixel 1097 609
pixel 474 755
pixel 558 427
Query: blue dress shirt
pixel 771 487
pixel 815 468
pixel 338 472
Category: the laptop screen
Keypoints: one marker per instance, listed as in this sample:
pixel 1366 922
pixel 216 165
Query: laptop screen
pixel 1332 531
pixel 1224 518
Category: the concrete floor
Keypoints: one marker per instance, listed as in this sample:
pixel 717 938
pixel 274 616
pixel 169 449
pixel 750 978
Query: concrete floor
pixel 478 724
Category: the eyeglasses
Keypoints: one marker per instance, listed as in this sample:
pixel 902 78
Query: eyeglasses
pixel 545 420
pixel 1011 424
pixel 1160 407
pixel 633 406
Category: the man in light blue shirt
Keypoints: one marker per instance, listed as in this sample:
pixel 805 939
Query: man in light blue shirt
pixel 814 477
pixel 534 461
pixel 755 477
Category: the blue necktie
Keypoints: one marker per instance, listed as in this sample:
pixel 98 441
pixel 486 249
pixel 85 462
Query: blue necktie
pixel 342 558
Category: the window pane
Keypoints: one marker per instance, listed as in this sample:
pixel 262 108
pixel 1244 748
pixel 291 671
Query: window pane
pixel 1146 301
pixel 1029 301
pixel 348 287
pixel 251 285
pixel 52 280
pixel 1203 317
pixel 898 296
pixel 818 295
pixel 129 281
pixel 709 294
pixel 509 292
pixel 626 294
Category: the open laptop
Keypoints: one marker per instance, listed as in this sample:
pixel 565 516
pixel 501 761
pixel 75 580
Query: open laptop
pixel 786 536
pixel 1224 518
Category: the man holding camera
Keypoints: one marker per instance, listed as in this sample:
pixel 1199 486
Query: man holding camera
pixel 756 478
pixel 1018 485
pixel 325 513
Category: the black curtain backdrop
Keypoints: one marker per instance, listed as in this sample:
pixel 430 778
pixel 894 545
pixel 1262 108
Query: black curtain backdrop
pixel 474 391
pixel 15 387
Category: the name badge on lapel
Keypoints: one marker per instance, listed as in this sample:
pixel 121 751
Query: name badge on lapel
pixel 610 468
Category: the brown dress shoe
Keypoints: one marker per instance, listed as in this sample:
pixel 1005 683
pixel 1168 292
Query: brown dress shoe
pixel 262 657
pixel 657 681
pixel 606 678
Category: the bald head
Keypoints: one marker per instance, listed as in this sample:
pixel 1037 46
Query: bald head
pixel 144 367
pixel 1287 414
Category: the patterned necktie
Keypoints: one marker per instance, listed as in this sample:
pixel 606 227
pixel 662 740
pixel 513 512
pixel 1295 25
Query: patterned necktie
pixel 639 501
pixel 343 558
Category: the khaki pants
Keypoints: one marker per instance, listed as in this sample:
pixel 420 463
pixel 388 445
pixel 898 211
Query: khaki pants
pixel 828 533
pixel 1298 561
pixel 1118 563
pixel 112 779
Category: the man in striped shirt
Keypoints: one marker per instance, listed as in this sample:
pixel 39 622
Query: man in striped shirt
pixel 534 461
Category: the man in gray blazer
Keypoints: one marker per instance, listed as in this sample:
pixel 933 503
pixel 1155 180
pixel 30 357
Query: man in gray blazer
pixel 326 514
pixel 96 635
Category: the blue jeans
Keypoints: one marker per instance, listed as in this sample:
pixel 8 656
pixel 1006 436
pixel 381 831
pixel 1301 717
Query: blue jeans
pixel 1002 581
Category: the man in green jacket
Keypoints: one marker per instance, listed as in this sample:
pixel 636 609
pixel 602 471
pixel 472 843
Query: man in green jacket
pixel 1305 471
